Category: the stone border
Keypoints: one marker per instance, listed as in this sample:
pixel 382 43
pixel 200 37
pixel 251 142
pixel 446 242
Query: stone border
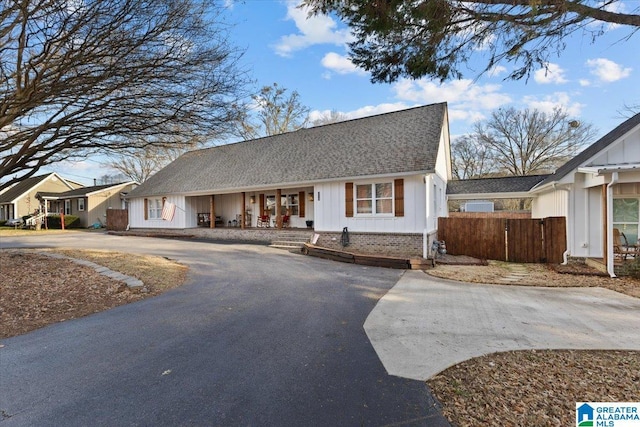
pixel 131 282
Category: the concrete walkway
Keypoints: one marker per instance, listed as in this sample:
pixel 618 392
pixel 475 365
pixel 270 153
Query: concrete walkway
pixel 424 325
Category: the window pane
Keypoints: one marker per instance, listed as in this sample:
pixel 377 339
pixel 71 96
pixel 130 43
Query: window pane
pixel 630 231
pixel 364 206
pixel 383 206
pixel 384 190
pixel 363 191
pixel 270 205
pixel 625 210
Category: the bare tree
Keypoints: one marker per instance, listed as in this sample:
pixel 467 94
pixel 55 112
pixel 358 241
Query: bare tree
pixel 275 113
pixel 138 164
pixel 78 77
pixel 470 158
pixel 629 110
pixel 333 116
pixel 529 142
pixel 438 38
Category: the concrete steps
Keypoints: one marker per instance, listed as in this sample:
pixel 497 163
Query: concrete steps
pixel 290 242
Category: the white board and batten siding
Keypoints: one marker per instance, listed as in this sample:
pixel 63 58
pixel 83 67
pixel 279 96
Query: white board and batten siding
pixel 137 214
pixel 330 208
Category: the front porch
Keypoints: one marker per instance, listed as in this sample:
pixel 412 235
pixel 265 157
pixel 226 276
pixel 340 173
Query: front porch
pixel 252 210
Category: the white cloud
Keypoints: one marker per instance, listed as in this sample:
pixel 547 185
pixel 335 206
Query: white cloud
pixel 368 110
pixel 496 71
pixel 551 74
pixel 319 29
pixel 466 99
pixel 607 70
pixel 584 82
pixel 549 102
pixel 609 6
pixel 340 64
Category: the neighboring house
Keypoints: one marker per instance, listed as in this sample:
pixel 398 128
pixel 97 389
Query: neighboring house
pixel 383 178
pixel 508 187
pixel 596 191
pixel 89 204
pixel 20 199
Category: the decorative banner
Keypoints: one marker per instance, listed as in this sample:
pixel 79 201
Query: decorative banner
pixel 168 211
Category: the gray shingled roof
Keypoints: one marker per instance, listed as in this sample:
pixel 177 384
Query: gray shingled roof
pixel 393 143
pixel 507 184
pixel 80 192
pixel 22 187
pixel 593 149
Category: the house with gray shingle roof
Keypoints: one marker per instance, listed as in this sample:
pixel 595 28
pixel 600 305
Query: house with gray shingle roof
pixel 506 187
pixel 596 191
pixel 377 176
pixel 20 199
pixel 89 204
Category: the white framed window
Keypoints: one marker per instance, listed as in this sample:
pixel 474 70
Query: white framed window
pixel 626 217
pixel 81 204
pixel 67 207
pixel 155 208
pixel 291 203
pixel 288 202
pixel 374 199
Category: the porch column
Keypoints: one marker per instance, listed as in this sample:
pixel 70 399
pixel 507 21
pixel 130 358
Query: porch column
pixel 278 213
pixel 605 227
pixel 212 213
pixel 244 211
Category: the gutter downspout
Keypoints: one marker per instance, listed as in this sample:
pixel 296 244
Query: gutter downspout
pixel 610 268
pixel 425 233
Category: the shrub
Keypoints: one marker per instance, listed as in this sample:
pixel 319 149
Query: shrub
pixel 70 221
pixel 3 222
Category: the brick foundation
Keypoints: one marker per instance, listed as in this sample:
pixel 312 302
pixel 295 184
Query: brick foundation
pixel 402 244
pixel 374 243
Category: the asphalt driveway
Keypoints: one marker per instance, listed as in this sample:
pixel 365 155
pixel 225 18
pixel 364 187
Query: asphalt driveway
pixel 256 337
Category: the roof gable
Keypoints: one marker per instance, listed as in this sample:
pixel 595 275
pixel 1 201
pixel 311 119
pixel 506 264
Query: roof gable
pixel 392 143
pixel 88 191
pixel 29 184
pixel 593 150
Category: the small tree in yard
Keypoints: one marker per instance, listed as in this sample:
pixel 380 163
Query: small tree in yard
pixel 81 77
pixel 276 113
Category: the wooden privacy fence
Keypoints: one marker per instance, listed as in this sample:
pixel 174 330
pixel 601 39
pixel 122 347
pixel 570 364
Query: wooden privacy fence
pixel 515 240
pixel 117 219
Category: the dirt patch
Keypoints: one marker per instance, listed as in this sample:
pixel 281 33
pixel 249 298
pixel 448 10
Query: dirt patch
pixel 37 290
pixel 537 275
pixel 534 388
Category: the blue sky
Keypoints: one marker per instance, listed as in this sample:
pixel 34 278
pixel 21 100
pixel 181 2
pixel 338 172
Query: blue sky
pixel 593 81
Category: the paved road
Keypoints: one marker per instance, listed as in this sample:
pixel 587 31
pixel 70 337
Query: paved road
pixel 257 337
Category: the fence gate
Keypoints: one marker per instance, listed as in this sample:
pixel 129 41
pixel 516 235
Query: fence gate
pixel 117 219
pixel 515 240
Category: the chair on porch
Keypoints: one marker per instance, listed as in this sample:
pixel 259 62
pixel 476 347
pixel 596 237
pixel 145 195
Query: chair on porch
pixel 621 247
pixel 285 221
pixel 264 220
